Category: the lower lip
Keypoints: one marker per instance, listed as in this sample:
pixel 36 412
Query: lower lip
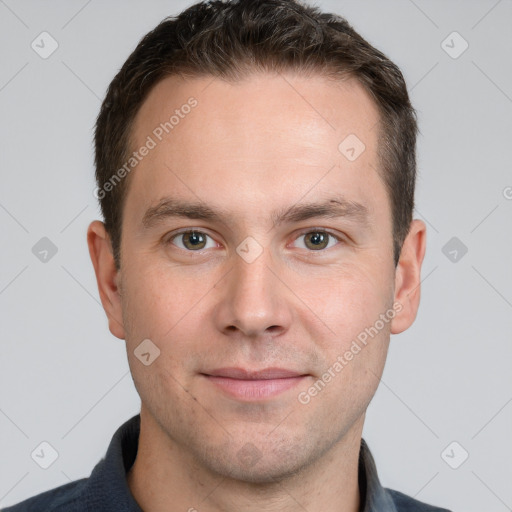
pixel 255 389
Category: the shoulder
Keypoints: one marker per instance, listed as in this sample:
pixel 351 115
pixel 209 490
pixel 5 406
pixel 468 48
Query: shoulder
pixel 404 503
pixel 67 497
pixel 104 490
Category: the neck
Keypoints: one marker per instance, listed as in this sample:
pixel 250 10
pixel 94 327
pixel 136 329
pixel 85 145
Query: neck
pixel 165 477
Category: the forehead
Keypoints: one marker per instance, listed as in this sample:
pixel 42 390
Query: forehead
pixel 256 141
pixel 262 103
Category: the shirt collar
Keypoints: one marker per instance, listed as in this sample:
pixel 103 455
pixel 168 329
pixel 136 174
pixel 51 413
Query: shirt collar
pixel 374 498
pixel 108 478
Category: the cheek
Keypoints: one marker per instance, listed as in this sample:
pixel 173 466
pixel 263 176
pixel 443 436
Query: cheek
pixel 168 308
pixel 157 300
pixel 362 324
pixel 350 300
pixel 353 358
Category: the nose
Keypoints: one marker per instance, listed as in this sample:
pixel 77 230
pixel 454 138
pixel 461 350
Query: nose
pixel 253 300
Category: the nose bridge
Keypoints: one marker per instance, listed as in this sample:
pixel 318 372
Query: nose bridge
pixel 253 299
pixel 252 276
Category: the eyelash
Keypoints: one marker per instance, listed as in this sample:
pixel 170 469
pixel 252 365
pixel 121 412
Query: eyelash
pixel 302 233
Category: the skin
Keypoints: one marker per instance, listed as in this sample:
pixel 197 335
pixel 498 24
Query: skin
pixel 262 144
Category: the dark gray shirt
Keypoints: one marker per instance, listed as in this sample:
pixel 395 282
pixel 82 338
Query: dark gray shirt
pixel 106 489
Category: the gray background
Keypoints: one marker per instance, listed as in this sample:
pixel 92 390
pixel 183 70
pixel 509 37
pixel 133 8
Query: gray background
pixel 64 378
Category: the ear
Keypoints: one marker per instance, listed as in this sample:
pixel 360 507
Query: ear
pixel 408 277
pixel 100 250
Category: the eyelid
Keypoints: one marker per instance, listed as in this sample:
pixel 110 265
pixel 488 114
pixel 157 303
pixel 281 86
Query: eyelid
pixel 316 229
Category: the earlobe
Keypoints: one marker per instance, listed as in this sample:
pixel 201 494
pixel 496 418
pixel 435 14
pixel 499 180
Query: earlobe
pixel 102 258
pixel 408 277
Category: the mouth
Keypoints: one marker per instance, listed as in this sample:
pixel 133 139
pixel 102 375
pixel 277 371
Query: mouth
pixel 251 385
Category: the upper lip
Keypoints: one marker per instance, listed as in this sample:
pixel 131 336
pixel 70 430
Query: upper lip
pixel 264 374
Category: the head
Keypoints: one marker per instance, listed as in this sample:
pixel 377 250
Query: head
pixel 254 121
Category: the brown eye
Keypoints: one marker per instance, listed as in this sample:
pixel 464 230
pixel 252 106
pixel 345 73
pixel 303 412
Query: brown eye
pixel 190 240
pixel 318 240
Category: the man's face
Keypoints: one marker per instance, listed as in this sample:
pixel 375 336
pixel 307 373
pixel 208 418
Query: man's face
pixel 246 294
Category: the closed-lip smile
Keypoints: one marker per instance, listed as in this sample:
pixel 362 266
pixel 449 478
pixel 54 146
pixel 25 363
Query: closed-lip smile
pixel 249 385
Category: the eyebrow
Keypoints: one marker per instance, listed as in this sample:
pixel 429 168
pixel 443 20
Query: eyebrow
pixel 335 207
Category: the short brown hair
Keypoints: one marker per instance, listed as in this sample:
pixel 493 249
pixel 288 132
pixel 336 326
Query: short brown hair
pixel 230 39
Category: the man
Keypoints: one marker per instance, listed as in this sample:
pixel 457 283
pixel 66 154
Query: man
pixel 255 163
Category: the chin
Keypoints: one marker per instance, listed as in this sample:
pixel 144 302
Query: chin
pixel 259 463
pixel 262 473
